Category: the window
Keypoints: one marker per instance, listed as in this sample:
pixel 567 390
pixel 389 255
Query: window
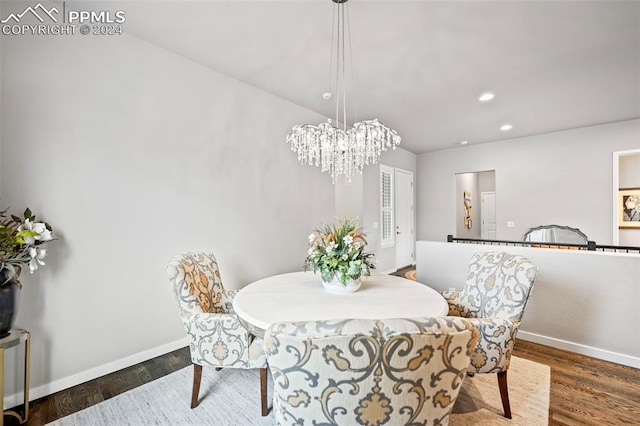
pixel 386 207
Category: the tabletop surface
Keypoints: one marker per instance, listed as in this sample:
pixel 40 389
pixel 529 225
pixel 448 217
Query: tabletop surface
pixel 300 296
pixel 15 336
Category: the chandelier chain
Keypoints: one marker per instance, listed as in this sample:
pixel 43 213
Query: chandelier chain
pixel 353 70
pixel 333 29
pixel 342 151
pixel 344 81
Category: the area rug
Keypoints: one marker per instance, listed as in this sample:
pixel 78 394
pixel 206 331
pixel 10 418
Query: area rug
pixel 411 275
pixel 232 397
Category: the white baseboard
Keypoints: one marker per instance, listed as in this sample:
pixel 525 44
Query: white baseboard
pixel 94 373
pixel 603 354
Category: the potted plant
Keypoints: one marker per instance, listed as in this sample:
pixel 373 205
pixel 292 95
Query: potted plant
pixel 21 239
pixel 337 251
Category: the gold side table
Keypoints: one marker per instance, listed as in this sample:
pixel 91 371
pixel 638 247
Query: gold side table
pixel 15 337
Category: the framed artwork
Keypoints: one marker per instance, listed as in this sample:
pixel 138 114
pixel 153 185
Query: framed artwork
pixel 467 209
pixel 629 208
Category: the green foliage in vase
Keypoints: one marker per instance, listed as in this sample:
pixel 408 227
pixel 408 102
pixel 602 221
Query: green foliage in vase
pixel 338 250
pixel 21 238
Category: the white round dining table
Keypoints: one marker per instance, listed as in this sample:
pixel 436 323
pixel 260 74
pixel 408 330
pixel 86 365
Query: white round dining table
pixel 300 296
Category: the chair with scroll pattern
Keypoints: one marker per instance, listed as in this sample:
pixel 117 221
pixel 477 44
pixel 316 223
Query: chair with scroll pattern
pixel 368 372
pixel 216 336
pixel 497 289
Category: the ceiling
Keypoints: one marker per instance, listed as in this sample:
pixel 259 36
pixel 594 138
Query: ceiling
pixel 421 65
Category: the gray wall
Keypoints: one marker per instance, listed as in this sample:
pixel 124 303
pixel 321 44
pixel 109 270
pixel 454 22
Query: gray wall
pixel 135 154
pixel 629 171
pixel 487 181
pixel 349 197
pixel 559 178
pixel 578 302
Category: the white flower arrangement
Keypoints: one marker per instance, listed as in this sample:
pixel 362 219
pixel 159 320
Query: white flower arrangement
pixel 338 250
pixel 20 241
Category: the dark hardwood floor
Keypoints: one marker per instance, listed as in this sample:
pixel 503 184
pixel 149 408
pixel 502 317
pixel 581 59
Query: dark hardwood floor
pixel 63 403
pixel 402 271
pixel 584 390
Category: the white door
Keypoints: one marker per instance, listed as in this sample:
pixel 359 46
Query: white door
pixel 405 238
pixel 488 215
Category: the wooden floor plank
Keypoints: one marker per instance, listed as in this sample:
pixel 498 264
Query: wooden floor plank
pixel 585 390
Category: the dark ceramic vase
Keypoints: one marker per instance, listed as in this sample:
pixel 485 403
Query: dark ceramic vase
pixel 9 301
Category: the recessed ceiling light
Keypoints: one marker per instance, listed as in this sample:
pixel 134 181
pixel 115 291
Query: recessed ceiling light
pixel 326 96
pixel 506 127
pixel 464 142
pixel 486 97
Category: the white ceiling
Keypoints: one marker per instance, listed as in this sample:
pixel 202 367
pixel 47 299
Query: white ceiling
pixel 421 65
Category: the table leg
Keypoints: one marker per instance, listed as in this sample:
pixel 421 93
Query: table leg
pixel 27 355
pixel 2 386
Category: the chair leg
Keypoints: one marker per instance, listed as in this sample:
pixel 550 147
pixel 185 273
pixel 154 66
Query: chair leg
pixel 197 376
pixel 504 393
pixel 263 391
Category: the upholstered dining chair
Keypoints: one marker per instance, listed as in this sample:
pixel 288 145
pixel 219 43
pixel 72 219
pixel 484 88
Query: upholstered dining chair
pixel 216 337
pixel 496 292
pixel 368 372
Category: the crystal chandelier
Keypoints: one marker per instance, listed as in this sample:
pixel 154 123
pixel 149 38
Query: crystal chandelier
pixel 341 151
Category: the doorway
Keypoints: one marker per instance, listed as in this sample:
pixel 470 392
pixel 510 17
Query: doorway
pixel 404 212
pixel 626 175
pixel 468 209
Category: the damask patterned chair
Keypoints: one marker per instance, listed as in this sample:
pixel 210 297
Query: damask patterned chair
pixel 496 292
pixel 368 372
pixel 216 337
